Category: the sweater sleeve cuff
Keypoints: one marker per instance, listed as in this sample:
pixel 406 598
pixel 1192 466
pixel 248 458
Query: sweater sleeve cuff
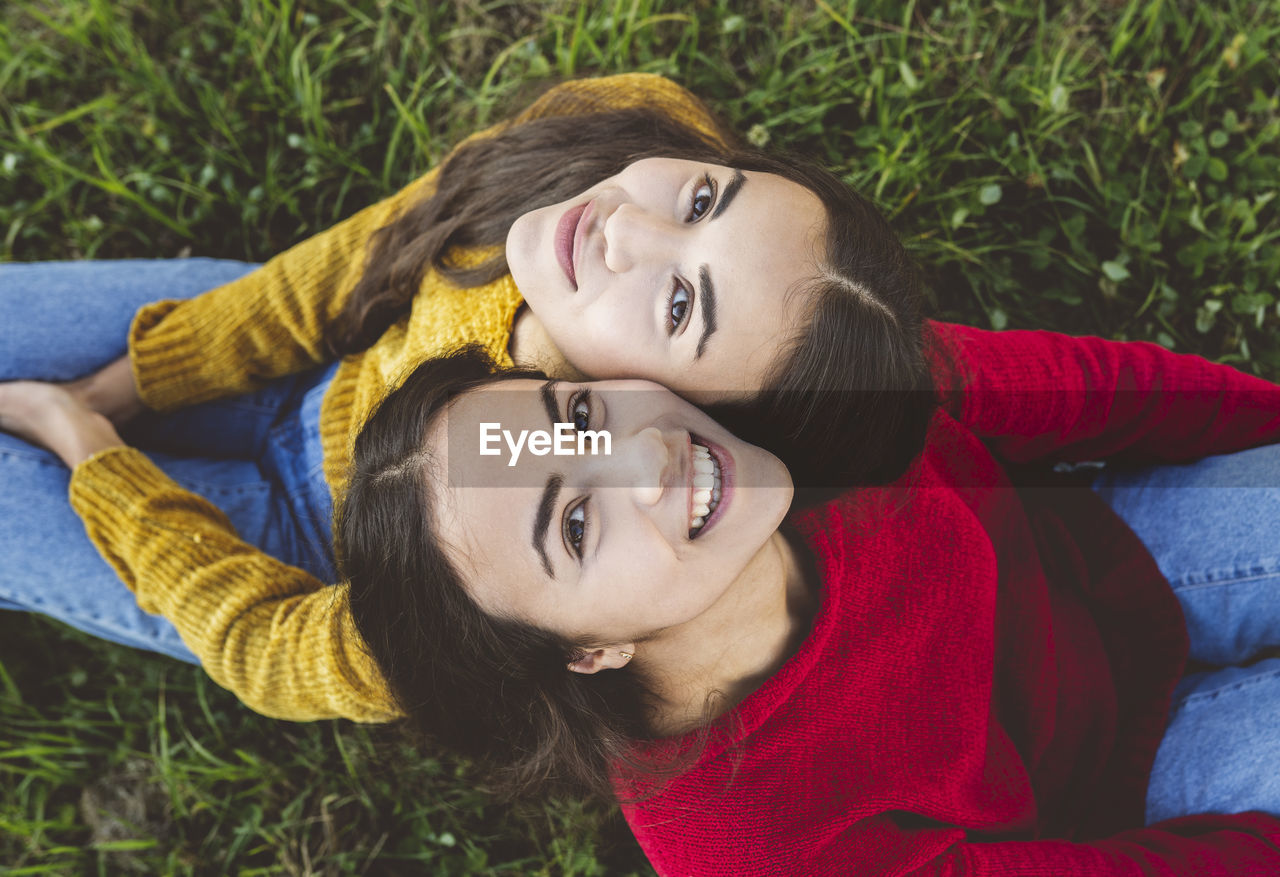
pixel 119 475
pixel 110 491
pixel 165 353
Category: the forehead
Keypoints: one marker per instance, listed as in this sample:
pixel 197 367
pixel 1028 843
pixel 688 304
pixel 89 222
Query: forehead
pixel 765 250
pixel 468 437
pixel 773 230
pixel 483 506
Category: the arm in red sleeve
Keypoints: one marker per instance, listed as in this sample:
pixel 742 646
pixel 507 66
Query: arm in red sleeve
pixel 1042 395
pixel 1193 846
pixel 1204 845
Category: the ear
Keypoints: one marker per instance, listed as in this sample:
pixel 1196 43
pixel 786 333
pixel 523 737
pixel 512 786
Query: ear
pixel 611 658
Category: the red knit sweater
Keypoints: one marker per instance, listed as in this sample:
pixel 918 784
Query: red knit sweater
pixel 990 671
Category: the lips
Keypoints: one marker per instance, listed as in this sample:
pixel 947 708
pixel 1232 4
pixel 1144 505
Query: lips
pixel 567 240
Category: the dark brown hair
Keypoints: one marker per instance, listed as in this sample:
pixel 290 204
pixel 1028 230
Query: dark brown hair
pixel 848 400
pixel 491 688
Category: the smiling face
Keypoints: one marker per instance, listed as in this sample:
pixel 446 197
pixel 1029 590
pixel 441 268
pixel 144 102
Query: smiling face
pixel 675 271
pixel 601 549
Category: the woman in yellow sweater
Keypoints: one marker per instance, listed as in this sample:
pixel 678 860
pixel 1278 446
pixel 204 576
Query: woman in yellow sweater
pixel 645 243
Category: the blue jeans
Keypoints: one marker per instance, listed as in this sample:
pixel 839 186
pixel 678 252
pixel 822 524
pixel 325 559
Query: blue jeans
pixel 257 456
pixel 1214 529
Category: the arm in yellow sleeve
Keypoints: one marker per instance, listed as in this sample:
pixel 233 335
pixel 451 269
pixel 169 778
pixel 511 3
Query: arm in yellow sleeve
pixel 625 91
pixel 279 639
pixel 267 324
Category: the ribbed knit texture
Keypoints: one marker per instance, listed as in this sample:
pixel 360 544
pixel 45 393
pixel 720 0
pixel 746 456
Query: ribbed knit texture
pixel 990 671
pixel 269 633
pixel 280 639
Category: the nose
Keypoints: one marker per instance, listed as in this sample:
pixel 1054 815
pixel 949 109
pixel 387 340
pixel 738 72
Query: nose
pixel 632 236
pixel 653 466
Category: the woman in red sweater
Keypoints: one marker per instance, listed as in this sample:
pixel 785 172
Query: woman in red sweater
pixel 948 675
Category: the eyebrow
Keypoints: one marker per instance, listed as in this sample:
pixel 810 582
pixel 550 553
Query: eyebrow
pixel 730 192
pixel 708 291
pixel 548 393
pixel 708 299
pixel 551 492
pixel 542 520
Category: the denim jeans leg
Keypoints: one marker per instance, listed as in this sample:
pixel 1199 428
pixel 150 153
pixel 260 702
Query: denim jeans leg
pixel 63 320
pixel 236 426
pixel 1221 750
pixel 49 566
pixel 295 460
pixel 1213 527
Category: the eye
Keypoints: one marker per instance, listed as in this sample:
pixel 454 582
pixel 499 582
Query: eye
pixel 580 410
pixel 575 528
pixel 678 304
pixel 703 197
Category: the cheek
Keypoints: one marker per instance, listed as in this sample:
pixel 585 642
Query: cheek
pixel 682 595
pixel 521 236
pixel 711 394
pixel 605 344
pixel 529 250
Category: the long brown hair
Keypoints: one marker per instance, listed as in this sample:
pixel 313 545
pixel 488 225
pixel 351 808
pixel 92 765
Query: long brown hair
pixel 849 398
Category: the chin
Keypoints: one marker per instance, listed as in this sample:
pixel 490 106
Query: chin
pixel 520 249
pixel 780 491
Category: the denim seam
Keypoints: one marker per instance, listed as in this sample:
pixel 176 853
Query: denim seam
pixel 1270 569
pixel 1233 686
pixel 208 491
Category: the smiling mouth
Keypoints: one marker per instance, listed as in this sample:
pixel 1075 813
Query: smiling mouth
pixel 708 483
pixel 566 242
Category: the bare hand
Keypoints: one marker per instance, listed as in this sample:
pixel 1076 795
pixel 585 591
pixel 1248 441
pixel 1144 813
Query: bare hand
pixel 50 416
pixel 111 391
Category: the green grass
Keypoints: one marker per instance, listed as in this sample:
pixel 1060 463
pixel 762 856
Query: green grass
pixel 1109 168
pixel 113 762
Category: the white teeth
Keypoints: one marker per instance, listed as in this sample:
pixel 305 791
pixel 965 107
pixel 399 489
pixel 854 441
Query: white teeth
pixel 706 487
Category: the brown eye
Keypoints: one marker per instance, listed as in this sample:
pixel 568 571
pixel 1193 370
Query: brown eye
pixel 575 528
pixel 580 410
pixel 678 303
pixel 703 197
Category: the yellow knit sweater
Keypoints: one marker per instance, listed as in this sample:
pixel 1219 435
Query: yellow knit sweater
pixel 281 640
